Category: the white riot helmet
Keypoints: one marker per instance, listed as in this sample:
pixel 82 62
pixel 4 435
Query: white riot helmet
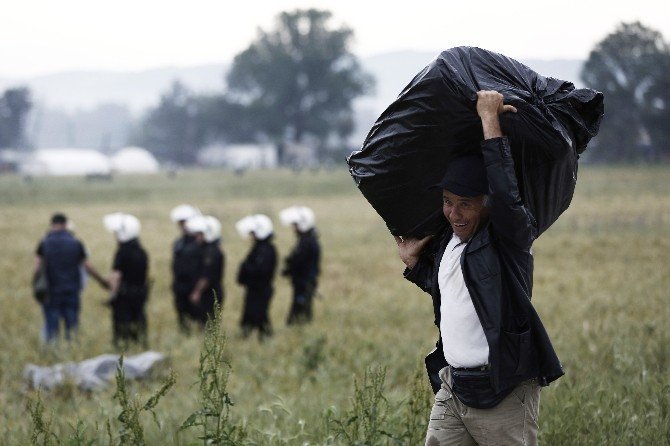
pixel 301 216
pixel 125 227
pixel 195 224
pixel 183 212
pixel 213 229
pixel 260 225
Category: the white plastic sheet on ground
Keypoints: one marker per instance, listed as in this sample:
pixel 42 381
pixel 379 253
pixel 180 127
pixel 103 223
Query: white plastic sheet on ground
pixel 92 374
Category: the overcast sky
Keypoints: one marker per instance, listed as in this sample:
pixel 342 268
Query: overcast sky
pixel 47 36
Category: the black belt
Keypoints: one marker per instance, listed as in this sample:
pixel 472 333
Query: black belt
pixel 481 368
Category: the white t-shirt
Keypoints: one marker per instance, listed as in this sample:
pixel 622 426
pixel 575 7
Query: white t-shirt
pixel 463 339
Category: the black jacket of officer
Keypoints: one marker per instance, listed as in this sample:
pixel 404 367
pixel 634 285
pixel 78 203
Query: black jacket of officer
pixel 211 270
pixel 186 258
pixel 256 274
pixel 128 315
pixel 302 264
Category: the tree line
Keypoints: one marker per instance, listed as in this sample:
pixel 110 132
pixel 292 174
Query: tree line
pixel 296 82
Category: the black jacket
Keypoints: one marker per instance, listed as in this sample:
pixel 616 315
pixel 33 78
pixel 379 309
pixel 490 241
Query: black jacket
pixel 302 265
pixel 256 274
pixel 258 268
pixel 132 261
pixel 186 264
pixel 212 269
pixel 498 270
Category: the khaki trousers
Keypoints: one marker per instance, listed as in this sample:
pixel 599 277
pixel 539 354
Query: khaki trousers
pixel 512 422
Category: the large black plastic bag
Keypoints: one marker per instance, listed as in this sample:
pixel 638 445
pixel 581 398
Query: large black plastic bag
pixel 434 120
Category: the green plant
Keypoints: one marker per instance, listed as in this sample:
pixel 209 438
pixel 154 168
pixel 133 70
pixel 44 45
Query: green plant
pixel 41 432
pixel 131 431
pixel 214 414
pixel 415 410
pixel 78 436
pixel 364 423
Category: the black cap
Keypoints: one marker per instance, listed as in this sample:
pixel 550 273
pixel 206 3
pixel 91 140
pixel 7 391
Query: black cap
pixel 466 176
pixel 58 219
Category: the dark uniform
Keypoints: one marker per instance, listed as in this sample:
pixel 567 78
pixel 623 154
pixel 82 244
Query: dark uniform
pixel 211 269
pixel 62 255
pixel 128 317
pixel 186 259
pixel 255 274
pixel 302 266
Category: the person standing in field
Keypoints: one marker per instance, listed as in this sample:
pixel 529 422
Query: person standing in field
pixel 256 273
pixel 129 289
pixel 64 259
pixel 209 285
pixel 493 354
pixel 185 260
pixel 302 264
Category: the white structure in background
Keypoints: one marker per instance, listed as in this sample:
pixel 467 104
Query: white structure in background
pixel 301 155
pixel 10 160
pixel 239 156
pixel 66 162
pixel 134 160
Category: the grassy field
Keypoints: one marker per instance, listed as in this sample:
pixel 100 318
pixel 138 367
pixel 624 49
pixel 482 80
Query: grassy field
pixel 601 287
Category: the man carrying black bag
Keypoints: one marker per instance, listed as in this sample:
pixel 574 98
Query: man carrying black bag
pixel 493 353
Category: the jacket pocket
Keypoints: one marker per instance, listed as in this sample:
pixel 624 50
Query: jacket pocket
pixel 515 352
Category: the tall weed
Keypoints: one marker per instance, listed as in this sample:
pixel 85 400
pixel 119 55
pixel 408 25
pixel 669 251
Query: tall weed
pixel 415 410
pixel 131 431
pixel 364 423
pixel 41 433
pixel 213 417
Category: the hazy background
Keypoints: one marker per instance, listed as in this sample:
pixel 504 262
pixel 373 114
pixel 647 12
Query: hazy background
pixel 94 69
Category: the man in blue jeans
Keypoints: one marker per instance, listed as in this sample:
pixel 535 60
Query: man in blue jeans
pixel 63 257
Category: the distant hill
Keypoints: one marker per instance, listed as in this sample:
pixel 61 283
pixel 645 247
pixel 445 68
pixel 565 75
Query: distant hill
pixel 137 90
pixel 141 89
pixel 84 91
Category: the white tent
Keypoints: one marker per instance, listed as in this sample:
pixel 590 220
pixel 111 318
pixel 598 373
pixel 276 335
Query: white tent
pixel 239 156
pixel 134 160
pixel 66 162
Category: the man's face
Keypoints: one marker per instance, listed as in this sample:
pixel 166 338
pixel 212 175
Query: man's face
pixel 465 214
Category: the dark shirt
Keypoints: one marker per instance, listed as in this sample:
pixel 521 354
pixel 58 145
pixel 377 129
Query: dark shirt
pixel 212 264
pixel 63 255
pixel 302 265
pixel 258 268
pixel 132 262
pixel 186 258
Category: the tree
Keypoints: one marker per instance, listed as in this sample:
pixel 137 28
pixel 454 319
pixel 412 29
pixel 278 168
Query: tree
pixel 223 120
pixel 631 66
pixel 298 81
pixel 172 131
pixel 15 104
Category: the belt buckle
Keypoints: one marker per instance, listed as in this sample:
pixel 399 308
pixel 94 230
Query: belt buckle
pixel 481 368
